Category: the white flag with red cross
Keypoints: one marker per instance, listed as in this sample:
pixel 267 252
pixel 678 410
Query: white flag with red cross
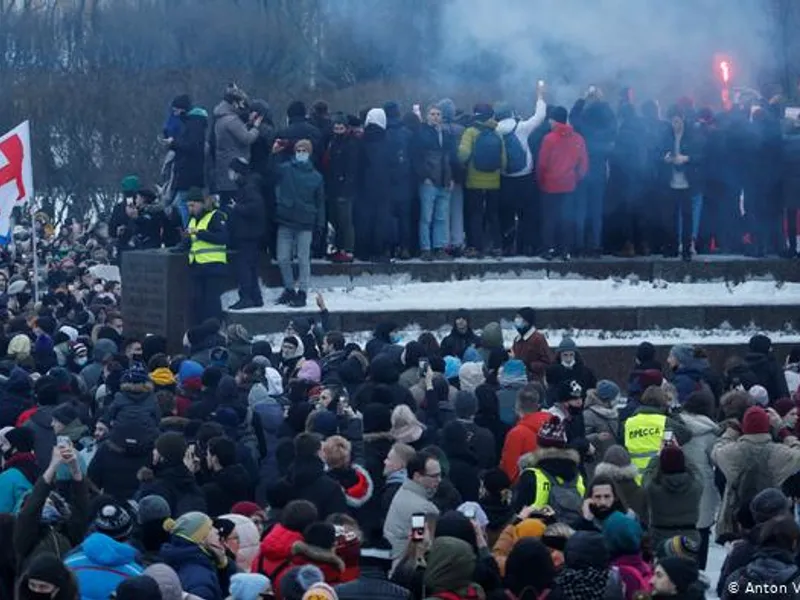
pixel 16 173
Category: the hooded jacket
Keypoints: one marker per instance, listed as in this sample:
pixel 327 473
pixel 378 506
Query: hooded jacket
pixel 233 139
pixel 476 180
pixel 523 130
pixel 190 151
pixel 674 501
pixel 409 499
pixel 100 564
pixel 599 418
pixel 175 484
pixel 563 161
pixel 119 459
pixel 300 196
pixel 456 342
pixel 135 403
pixel 521 440
pixel 697 451
pixel 17 480
pixel 557 462
pixel 248 217
pixel 227 487
pixel 768 374
pixel 630 492
pixel 307 481
pixel 770 566
pixel 195 568
pixel 42 424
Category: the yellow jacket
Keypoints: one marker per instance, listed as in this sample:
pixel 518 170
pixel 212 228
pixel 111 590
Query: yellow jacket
pixel 477 180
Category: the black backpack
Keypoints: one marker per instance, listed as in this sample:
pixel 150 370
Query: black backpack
pixel 516 157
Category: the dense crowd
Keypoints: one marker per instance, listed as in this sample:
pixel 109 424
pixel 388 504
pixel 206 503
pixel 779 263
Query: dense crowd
pixel 453 469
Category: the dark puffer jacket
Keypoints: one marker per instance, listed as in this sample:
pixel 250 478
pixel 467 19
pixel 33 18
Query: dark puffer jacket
pixel 119 459
pixel 248 218
pixel 196 569
pixel 431 154
pixel 300 202
pixel 227 487
pixel 135 405
pixel 190 150
pixel 175 484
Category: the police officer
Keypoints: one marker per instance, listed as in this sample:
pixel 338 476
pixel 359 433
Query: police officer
pixel 206 238
pixel 645 431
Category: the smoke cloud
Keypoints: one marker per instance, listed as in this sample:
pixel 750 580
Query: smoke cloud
pixel 663 48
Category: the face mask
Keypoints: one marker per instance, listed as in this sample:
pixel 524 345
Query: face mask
pixel 519 324
pixel 286 355
pixel 81 361
pixel 137 357
pixel 568 363
pixel 574 410
pixel 395 339
pixel 50 514
pixel 301 157
pixel 27 593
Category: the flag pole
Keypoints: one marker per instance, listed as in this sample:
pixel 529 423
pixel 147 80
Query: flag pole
pixel 35 249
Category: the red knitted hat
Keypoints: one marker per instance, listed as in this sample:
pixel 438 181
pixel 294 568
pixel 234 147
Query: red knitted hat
pixel 552 434
pixel 672 460
pixel 756 420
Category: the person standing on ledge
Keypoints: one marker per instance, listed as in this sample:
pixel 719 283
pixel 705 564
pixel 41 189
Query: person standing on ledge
pixel 206 240
pixel 299 211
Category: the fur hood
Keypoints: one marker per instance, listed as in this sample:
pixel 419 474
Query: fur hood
pixel 532 459
pixel 143 388
pixel 318 555
pixel 617 473
pixel 607 413
pixel 379 435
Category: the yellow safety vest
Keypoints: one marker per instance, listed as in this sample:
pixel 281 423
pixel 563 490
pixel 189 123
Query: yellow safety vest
pixel 543 486
pixel 203 253
pixel 644 434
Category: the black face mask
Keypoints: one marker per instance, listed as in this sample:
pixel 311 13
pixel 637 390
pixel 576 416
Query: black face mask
pixel 30 595
pixel 574 410
pixel 137 357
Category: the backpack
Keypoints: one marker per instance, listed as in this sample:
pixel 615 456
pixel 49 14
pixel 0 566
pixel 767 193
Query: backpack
pixel 565 499
pixel 487 153
pixel 516 157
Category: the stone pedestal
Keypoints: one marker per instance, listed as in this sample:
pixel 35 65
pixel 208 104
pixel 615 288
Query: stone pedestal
pixel 156 295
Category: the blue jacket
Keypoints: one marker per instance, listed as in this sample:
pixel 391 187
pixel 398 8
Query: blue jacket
pixel 195 568
pixel 13 488
pixel 100 564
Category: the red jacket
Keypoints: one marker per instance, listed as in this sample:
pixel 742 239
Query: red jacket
pixel 563 160
pixel 521 440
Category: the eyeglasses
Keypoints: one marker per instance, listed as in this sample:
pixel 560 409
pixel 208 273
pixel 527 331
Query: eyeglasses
pixel 434 475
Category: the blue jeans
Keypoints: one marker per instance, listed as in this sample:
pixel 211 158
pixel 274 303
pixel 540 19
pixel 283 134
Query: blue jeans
pixel 179 204
pixel 434 217
pixel 289 242
pixel 697 211
pixel 457 217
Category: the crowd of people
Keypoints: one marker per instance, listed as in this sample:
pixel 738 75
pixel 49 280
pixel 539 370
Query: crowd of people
pixel 439 182
pixel 453 469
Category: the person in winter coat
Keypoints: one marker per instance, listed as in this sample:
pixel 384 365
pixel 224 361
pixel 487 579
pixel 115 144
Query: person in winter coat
pixel 763 365
pixel 697 416
pixel 189 146
pixel 341 186
pixel 233 134
pixel 737 453
pixel 371 583
pixel 488 417
pixel 170 478
pixel 449 570
pixel 522 526
pixel 511 379
pixel 678 577
pixel 46 523
pixel 645 361
pixel 552 461
pixel 247 222
pixel 299 212
pixel 20 470
pixel 431 156
pixel 690 371
pixel 395 473
pixel 299 127
pixel 374 215
pixel 586 572
pixel 523 437
pixel 561 165
pixel 464 470
pixel 355 480
pixel 517 187
pixel 616 465
pixel 135 402
pixel 104 559
pixel 119 459
pixel 47 577
pixel 530 572
pixel 197 555
pixel 623 538
pixel 483 152
pixel 570 367
pixel 480 441
pixel 601 419
pixel 673 490
pixel 229 482
pixel 530 345
pixel 307 480
pixel 460 337
pixel 41 421
pixel 773 564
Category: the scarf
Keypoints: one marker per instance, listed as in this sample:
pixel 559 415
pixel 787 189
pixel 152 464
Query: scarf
pixel 583 584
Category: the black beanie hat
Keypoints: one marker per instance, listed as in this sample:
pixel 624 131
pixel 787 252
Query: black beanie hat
pixel 454 524
pixel 296 110
pixel 140 587
pixel 22 439
pixel 645 352
pixel 172 447
pixel 182 102
pixel 48 567
pixel 321 535
pixel 683 572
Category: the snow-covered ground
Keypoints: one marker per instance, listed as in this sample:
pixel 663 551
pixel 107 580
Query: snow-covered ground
pixel 540 293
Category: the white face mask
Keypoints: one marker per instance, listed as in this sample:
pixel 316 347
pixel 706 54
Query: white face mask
pixel 568 363
pixel 519 323
pixel 301 156
pixel 81 361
